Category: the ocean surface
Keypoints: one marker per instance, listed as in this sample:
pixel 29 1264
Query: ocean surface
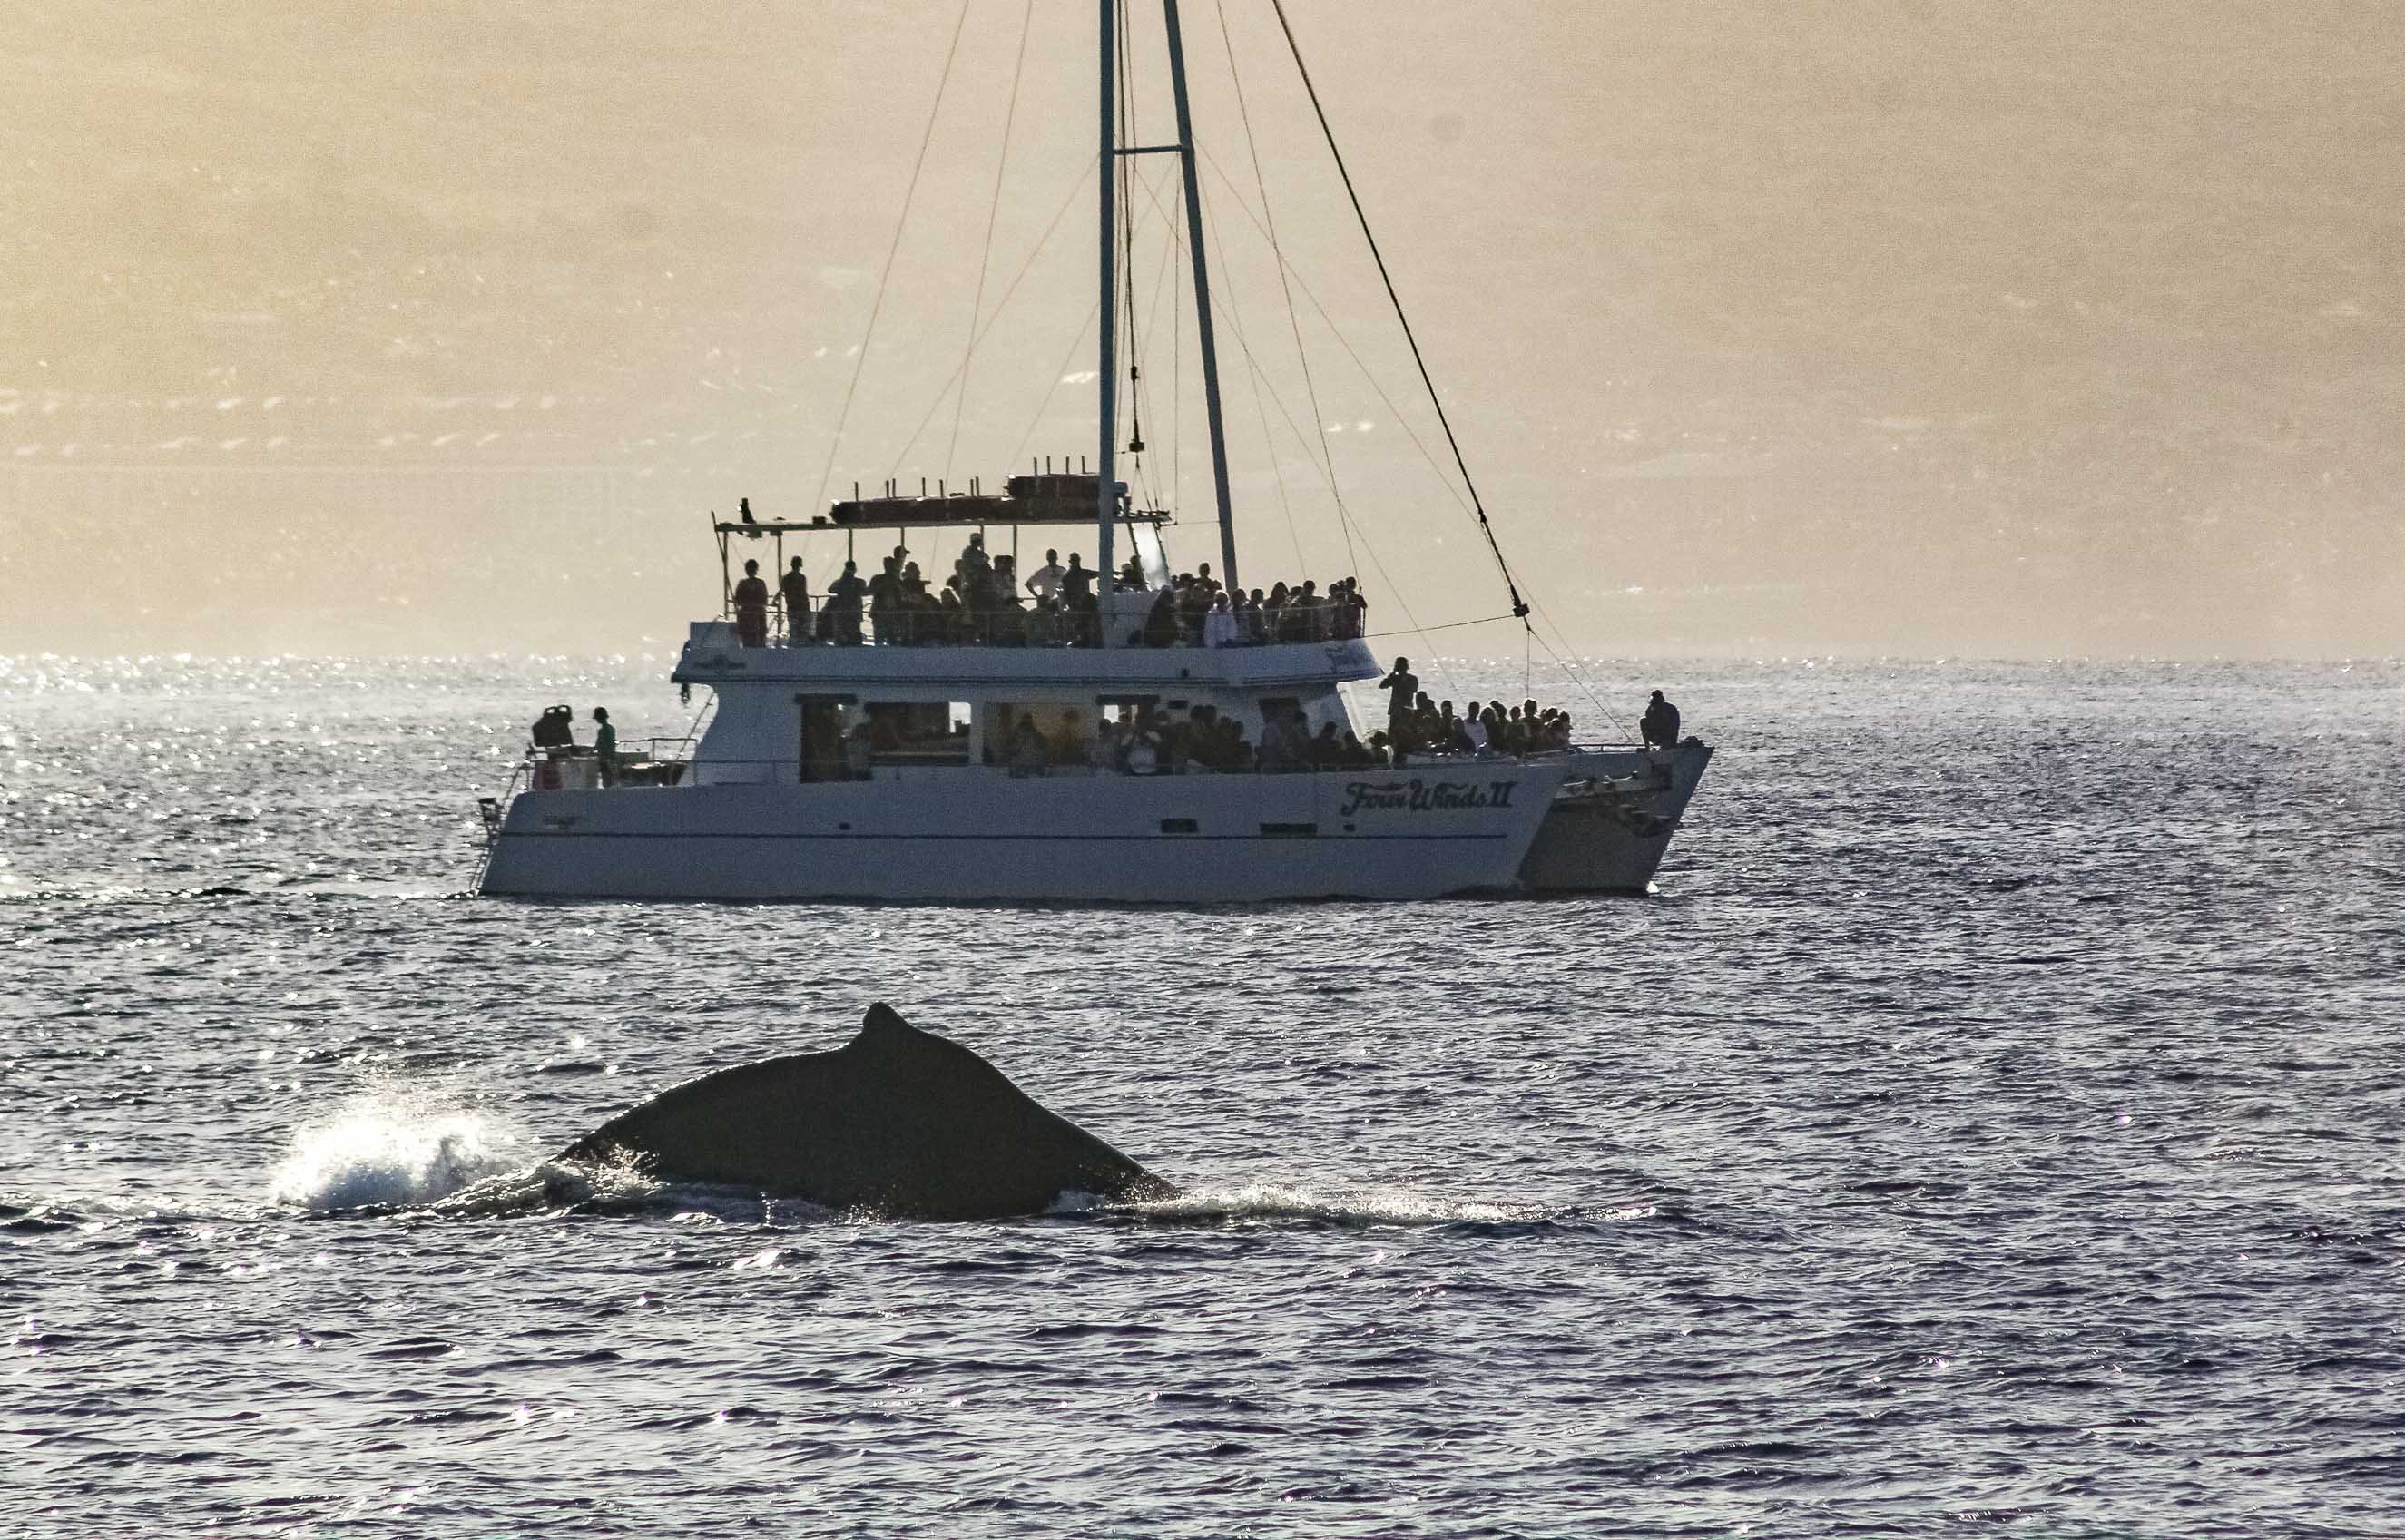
pixel 1992 1127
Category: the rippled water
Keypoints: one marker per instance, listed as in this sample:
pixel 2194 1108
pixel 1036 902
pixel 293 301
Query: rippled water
pixel 1991 1126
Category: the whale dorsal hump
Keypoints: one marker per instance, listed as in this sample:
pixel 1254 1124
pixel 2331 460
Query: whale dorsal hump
pixel 898 1120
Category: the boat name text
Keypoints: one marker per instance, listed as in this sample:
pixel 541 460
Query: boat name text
pixel 1419 796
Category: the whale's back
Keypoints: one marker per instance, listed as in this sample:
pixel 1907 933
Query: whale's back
pixel 899 1121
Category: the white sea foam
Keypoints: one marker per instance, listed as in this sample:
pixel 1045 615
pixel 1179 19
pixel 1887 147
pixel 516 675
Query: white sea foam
pixel 1334 1206
pixel 387 1152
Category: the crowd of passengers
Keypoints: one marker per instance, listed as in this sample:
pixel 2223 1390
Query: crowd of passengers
pixel 1158 742
pixel 981 603
pixel 1432 727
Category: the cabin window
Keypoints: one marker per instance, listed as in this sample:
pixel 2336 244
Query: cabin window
pixel 1065 734
pixel 822 749
pixel 1125 710
pixel 914 731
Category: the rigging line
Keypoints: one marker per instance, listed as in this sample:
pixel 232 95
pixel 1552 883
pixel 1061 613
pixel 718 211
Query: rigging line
pixel 1519 605
pixel 1163 281
pixel 876 307
pixel 1226 299
pixel 1449 626
pixel 1092 312
pixel 1137 395
pixel 1309 388
pixel 1152 195
pixel 1377 565
pixel 1580 676
pixel 985 257
pixel 1127 170
pixel 861 360
pixel 1614 717
pixel 1177 349
pixel 960 370
pixel 1368 377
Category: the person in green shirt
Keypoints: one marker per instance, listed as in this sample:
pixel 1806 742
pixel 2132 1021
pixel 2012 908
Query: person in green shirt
pixel 605 745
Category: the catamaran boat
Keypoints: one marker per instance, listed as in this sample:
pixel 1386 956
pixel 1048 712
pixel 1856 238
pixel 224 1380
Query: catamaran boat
pixel 1099 748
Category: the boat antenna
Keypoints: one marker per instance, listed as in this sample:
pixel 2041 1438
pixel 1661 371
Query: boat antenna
pixel 1519 606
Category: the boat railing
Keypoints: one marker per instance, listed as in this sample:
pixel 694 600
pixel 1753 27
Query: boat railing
pixel 643 762
pixel 578 767
pixel 825 622
pixel 665 762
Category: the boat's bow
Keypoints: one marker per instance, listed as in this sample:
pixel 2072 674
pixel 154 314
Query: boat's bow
pixel 1613 819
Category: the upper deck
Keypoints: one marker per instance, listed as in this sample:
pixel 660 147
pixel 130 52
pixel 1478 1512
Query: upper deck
pixel 714 656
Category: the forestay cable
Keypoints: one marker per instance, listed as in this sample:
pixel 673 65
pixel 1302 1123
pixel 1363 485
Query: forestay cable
pixel 1519 606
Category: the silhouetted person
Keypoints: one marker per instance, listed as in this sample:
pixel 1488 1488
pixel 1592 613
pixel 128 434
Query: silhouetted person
pixel 1063 748
pixel 1160 622
pixel 1220 627
pixel 743 508
pixel 605 746
pixel 1661 724
pixel 843 597
pixel 1046 582
pixel 794 589
pixel 1402 689
pixel 1077 598
pixel 752 608
pixel 1026 749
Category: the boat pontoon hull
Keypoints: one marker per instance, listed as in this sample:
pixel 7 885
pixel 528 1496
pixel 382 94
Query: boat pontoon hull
pixel 1611 822
pixel 985 835
pixel 1596 821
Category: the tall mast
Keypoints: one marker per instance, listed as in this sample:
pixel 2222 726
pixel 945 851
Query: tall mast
pixel 1106 484
pixel 1201 295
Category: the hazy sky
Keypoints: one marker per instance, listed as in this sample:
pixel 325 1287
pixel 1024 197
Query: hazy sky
pixel 1932 326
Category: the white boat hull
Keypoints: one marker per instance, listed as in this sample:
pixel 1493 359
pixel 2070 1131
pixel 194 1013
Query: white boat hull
pixel 1611 823
pixel 970 834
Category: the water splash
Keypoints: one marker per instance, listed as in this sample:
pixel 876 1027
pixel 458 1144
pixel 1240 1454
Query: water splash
pixel 565 1186
pixel 386 1152
pixel 1342 1206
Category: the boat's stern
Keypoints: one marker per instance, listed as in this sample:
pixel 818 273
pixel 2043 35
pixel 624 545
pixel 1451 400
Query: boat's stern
pixel 1611 822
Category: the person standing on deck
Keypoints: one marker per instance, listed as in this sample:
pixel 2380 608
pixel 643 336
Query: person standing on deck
pixel 605 746
pixel 1402 689
pixel 843 597
pixel 1661 724
pixel 1077 598
pixel 885 599
pixel 793 591
pixel 974 561
pixel 752 608
pixel 1220 627
pixel 1044 583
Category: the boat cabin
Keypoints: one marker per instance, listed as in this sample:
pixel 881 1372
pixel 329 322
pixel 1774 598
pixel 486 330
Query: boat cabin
pixel 849 688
